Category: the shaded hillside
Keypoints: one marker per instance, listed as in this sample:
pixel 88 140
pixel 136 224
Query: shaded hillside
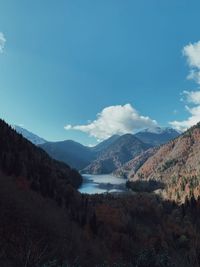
pixel 177 164
pixel 139 230
pixel 115 155
pixel 20 158
pixel 70 152
pixel 157 136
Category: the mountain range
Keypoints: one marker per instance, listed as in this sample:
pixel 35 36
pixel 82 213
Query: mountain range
pixel 107 156
pixel 116 154
pixel 45 221
pixel 157 136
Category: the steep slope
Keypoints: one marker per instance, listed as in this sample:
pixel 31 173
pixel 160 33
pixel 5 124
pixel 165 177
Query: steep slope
pixel 21 158
pixel 130 168
pixel 41 214
pixel 115 155
pixel 33 138
pixel 176 164
pixel 70 152
pixel 104 144
pixel 157 136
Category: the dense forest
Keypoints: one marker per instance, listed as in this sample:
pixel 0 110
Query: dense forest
pixel 45 222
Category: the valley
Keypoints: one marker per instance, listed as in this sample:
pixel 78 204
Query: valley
pixel 97 213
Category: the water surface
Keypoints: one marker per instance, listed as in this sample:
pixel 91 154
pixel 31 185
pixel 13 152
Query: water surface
pixel 98 184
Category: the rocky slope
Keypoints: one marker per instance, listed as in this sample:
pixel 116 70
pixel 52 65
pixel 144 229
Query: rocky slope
pixel 130 168
pixel 114 156
pixel 177 165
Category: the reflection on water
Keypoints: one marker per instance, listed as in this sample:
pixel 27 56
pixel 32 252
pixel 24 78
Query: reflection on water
pixel 98 184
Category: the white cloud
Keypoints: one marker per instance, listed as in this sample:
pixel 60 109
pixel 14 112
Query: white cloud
pixel 114 120
pixel 193 99
pixel 68 127
pixel 192 53
pixel 194 75
pixel 2 42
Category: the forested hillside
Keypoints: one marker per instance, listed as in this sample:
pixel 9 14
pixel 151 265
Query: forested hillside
pixel 177 165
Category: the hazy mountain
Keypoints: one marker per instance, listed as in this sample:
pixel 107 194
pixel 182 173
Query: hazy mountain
pixel 75 154
pixel 177 164
pixel 104 144
pixel 116 154
pixel 70 152
pixel 33 138
pixel 157 136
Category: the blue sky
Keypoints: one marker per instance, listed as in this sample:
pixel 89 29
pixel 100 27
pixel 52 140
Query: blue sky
pixel 66 61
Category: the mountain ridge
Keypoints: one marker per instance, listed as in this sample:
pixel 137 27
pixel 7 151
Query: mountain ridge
pixel 157 136
pixel 176 164
pixel 116 154
pixel 86 159
pixel 33 138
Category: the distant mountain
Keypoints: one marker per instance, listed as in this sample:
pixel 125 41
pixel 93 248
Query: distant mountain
pixel 153 136
pixel 74 153
pixel 70 152
pixel 33 138
pixel 125 147
pixel 99 159
pixel 157 136
pixel 177 164
pixel 104 144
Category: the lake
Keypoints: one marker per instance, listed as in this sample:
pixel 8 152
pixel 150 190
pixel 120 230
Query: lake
pixel 99 184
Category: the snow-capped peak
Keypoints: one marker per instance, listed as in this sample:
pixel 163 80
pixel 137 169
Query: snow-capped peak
pixel 33 138
pixel 159 130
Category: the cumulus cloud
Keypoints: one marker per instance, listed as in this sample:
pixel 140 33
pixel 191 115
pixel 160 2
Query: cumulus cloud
pixel 119 119
pixel 2 42
pixel 192 54
pixel 193 99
